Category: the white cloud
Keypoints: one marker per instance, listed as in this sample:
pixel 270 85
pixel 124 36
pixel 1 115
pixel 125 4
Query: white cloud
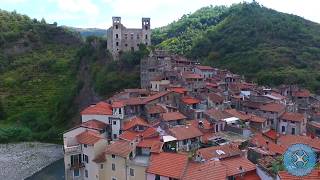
pixel 78 6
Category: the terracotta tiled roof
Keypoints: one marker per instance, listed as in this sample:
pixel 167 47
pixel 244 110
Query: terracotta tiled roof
pixel 250 104
pixel 156 109
pixel 234 164
pixel 120 148
pixel 148 143
pixel 192 76
pixel 217 114
pixel 314 124
pixel 168 164
pixel 190 100
pixel 238 114
pixel 216 98
pixel 88 137
pixel 185 132
pixel 213 85
pixel 100 158
pixel 314 175
pixel 94 124
pixel 101 108
pixel 172 116
pixel 267 145
pixel 135 121
pixel 272 134
pixel 291 116
pixel 220 152
pixel 294 139
pixel 133 101
pixel 273 107
pixel 156 96
pixel 302 93
pixel 257 119
pixel 206 68
pixel 131 135
pixel 212 170
pixel 205 124
pixel 117 104
pixel 180 90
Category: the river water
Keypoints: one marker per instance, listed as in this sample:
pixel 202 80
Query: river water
pixel 54 171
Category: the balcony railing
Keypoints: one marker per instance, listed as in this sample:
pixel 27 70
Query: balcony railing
pixel 76 165
pixel 72 149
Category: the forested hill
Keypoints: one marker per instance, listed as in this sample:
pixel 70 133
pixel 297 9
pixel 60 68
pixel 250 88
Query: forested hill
pixel 48 74
pixel 37 77
pixel 267 46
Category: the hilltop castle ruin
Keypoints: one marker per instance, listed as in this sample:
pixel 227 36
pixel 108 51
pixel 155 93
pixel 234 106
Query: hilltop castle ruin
pixel 120 38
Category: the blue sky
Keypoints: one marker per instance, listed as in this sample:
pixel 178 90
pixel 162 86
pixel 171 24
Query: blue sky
pixel 98 13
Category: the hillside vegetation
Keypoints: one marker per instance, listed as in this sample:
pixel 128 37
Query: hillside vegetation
pixel 48 75
pixel 267 46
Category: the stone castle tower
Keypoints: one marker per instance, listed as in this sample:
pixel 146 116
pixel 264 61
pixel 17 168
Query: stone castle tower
pixel 120 38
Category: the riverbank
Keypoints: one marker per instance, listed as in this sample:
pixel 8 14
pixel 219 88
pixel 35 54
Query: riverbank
pixel 21 160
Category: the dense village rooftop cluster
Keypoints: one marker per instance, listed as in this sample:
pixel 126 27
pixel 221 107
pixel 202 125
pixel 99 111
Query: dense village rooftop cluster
pixel 190 121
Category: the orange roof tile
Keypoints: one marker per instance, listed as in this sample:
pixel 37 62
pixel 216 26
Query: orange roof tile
pixel 302 93
pixel 217 114
pixel 270 146
pixel 272 134
pixel 291 116
pixel 206 68
pixel 180 90
pixel 117 104
pixel 88 137
pixel 216 98
pixel 314 175
pixel 172 116
pixel 238 114
pixel 190 100
pixel 212 170
pixel 131 135
pixel 120 148
pixel 235 164
pixel 101 108
pixel 192 76
pixel 228 150
pixel 155 96
pixel 185 132
pixel 94 124
pixel 288 140
pixel 135 121
pixel 273 107
pixel 168 164
pixel 156 109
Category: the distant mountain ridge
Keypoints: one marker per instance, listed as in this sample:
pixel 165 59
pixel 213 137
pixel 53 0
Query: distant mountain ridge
pixel 267 46
pixel 85 32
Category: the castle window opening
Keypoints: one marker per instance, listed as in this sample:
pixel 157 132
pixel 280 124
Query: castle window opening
pixel 117 43
pixel 146 36
pixel 116 26
pixel 117 36
pixel 126 45
pixel 146 27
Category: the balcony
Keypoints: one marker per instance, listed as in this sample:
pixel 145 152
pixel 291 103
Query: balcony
pixel 76 149
pixel 76 166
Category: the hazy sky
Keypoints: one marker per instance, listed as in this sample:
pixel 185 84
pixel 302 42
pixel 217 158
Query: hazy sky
pixel 98 13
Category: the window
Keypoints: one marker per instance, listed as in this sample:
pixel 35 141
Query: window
pixel 138 37
pixel 85 158
pixel 131 172
pixel 125 36
pixel 114 178
pixel 185 141
pixel 86 173
pixel 117 36
pixel 293 132
pixel 85 145
pixel 113 167
pixel 114 122
pixel 126 45
pixel 101 166
pixel 157 177
pixel 76 172
pixel 115 136
pixel 120 111
pixel 116 26
pixel 283 129
pixel 146 36
pixel 113 156
pixel 117 43
pixel 146 27
pixel 131 36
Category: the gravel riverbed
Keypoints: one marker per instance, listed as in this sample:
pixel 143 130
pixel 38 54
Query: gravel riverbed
pixel 20 160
